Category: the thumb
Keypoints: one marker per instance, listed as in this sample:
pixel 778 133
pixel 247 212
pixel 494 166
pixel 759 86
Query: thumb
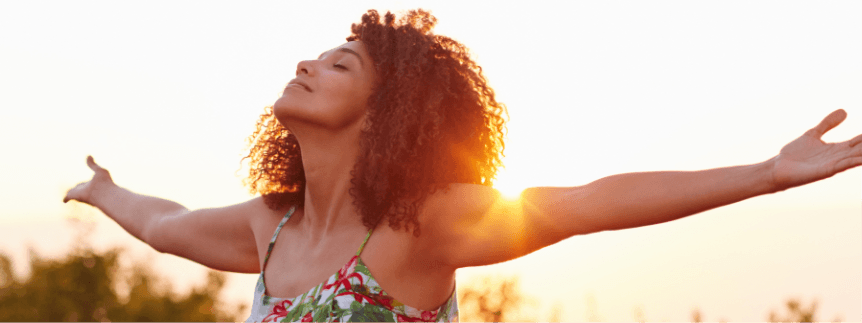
pixel 72 194
pixel 831 121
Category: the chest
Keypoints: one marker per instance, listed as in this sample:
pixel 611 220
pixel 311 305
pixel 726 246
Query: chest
pixel 298 263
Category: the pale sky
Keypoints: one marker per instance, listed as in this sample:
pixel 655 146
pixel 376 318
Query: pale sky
pixel 163 94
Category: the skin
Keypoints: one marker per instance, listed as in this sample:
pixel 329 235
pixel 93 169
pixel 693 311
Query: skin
pixel 327 122
pixel 327 231
pixel 468 225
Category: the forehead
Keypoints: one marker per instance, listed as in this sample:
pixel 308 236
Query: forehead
pixel 355 46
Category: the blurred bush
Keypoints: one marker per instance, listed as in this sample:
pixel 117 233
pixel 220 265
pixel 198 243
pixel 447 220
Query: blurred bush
pixel 84 287
pixel 499 299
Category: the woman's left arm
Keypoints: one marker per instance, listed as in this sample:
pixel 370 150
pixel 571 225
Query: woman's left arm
pixel 544 215
pixel 640 199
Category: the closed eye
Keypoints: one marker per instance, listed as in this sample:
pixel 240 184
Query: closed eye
pixel 339 66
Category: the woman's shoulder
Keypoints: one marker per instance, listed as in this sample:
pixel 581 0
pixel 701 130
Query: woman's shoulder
pixel 459 198
pixel 262 215
pixel 447 214
pixel 456 204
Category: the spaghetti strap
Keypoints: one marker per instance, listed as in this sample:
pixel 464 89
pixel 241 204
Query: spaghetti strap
pixel 363 242
pixel 275 235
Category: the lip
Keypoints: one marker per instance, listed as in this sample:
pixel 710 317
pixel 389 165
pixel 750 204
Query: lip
pixel 299 83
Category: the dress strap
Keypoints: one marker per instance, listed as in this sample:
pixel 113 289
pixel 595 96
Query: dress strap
pixel 275 235
pixel 363 242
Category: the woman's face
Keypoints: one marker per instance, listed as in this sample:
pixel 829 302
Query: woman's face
pixel 330 92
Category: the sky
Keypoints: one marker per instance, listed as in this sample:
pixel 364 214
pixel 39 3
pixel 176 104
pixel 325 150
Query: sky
pixel 164 94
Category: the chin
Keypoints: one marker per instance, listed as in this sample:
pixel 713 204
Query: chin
pixel 284 111
pixel 289 114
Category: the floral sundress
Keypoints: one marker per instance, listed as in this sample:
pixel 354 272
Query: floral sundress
pixel 350 295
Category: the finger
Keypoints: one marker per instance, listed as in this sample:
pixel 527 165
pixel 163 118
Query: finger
pixel 856 140
pixel 92 164
pixel 848 163
pixel 832 120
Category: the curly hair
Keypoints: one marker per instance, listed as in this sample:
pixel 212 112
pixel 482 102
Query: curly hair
pixel 434 122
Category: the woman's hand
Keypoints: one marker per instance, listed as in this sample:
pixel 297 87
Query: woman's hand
pixel 84 192
pixel 808 159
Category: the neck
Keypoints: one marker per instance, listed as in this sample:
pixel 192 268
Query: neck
pixel 328 158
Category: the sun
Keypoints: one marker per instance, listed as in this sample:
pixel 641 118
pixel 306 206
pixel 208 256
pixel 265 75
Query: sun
pixel 509 187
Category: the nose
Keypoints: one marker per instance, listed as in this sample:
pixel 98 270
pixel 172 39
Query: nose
pixel 304 67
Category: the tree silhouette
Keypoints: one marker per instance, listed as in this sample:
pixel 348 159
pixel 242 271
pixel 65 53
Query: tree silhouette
pixel 490 299
pixel 696 316
pixel 498 299
pixel 84 287
pixel 796 313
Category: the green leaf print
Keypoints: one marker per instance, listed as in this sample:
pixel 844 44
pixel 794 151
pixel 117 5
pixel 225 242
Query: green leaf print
pixel 323 314
pixel 380 314
pixel 296 313
pixel 369 313
pixel 360 268
pixel 340 312
pixel 355 307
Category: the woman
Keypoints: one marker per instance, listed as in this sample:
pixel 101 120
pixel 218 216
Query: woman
pixel 399 126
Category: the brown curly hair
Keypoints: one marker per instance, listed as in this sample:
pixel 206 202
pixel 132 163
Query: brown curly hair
pixel 435 121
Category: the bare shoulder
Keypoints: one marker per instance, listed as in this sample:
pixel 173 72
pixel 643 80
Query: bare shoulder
pixel 474 225
pixel 457 199
pixel 258 204
pixel 457 202
pixel 223 238
pixel 260 214
pixel 446 213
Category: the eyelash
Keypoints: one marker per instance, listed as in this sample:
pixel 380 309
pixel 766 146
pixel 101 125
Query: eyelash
pixel 339 66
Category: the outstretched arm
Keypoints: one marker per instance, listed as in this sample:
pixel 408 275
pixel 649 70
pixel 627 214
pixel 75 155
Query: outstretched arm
pixel 220 238
pixel 491 230
pixel 640 199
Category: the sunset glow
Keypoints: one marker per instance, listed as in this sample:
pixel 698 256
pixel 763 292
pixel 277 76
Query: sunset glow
pixel 164 94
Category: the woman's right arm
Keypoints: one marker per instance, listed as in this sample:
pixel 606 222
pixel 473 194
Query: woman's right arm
pixel 219 238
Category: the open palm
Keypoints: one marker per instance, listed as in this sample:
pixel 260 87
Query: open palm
pixel 808 159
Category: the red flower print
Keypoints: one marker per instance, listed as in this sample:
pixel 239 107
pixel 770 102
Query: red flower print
pixel 425 316
pixel 279 311
pixel 383 300
pixel 307 317
pixel 349 267
pixel 344 274
pixel 358 297
pixel 429 315
pixel 402 318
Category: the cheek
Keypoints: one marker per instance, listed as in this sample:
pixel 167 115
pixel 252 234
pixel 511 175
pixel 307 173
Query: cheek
pixel 347 98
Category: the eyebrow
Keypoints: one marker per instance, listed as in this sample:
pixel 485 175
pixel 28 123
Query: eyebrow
pixel 349 51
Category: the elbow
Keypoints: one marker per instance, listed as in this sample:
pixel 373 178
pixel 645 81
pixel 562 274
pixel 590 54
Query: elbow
pixel 149 235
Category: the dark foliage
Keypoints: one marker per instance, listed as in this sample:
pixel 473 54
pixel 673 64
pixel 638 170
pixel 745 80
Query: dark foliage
pixel 84 287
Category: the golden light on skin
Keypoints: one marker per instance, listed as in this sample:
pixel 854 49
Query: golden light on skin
pixel 504 222
pixel 493 220
pixel 512 223
pixel 509 191
pixel 508 185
